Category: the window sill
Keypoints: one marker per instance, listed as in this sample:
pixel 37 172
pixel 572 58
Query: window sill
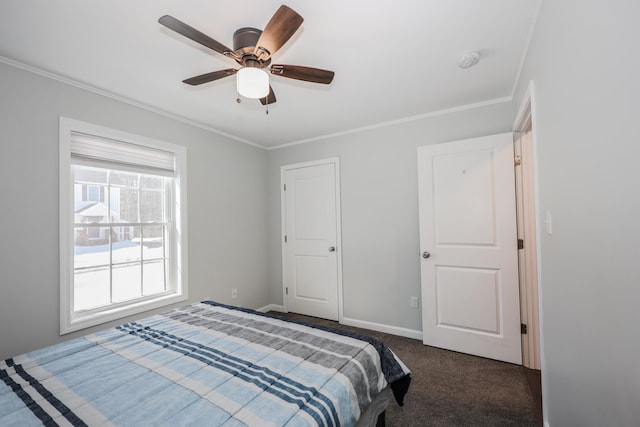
pixel 82 320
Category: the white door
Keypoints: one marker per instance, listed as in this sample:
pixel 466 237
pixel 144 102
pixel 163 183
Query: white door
pixel 469 263
pixel 311 235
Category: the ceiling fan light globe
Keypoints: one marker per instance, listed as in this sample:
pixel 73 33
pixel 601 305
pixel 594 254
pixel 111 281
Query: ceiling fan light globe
pixel 252 82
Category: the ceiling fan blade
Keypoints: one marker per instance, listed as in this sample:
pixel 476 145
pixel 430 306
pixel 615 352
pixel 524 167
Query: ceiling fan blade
pixel 193 34
pixel 307 74
pixel 283 24
pixel 269 99
pixel 209 77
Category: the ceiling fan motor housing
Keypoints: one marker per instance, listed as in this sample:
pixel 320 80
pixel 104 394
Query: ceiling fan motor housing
pixel 245 38
pixel 244 42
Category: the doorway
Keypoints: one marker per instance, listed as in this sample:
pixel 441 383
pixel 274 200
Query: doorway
pixel 528 218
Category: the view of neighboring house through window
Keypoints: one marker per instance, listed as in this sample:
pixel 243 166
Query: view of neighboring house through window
pixel 119 250
pixel 92 193
pixel 122 241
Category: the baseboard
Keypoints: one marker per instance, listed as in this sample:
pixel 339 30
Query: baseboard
pixel 393 330
pixel 272 307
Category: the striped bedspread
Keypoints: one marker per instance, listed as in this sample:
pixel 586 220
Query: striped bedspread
pixel 205 364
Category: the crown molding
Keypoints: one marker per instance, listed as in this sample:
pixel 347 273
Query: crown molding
pixel 397 121
pixel 123 99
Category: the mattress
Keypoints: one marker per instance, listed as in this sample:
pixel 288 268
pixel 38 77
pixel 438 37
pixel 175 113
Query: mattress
pixel 204 364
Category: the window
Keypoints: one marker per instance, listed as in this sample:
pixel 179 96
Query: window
pixel 122 236
pixel 92 193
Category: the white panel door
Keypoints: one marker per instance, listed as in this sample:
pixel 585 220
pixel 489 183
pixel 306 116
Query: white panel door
pixel 310 265
pixel 469 264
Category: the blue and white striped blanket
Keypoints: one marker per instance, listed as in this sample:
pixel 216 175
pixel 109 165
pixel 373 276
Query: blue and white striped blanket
pixel 205 364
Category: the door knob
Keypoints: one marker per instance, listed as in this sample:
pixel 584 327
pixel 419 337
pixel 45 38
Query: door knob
pixel 332 248
pixel 425 254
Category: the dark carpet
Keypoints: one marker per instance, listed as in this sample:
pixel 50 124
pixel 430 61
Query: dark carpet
pixel 453 389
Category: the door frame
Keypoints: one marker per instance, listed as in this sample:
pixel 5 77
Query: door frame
pixel 335 161
pixel 531 298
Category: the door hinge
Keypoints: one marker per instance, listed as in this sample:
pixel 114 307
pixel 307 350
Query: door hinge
pixel 517 160
pixel 285 187
pixel 523 329
pixel 285 238
pixel 520 244
pixel 286 291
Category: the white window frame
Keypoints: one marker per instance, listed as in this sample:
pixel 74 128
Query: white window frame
pixel 71 320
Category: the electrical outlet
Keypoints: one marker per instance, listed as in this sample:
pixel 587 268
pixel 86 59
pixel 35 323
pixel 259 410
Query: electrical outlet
pixel 234 293
pixel 413 302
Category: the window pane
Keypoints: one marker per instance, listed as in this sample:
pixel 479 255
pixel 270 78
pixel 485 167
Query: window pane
pixel 91 288
pixel 152 242
pixel 90 195
pixel 153 259
pixel 151 206
pixel 124 195
pixel 151 182
pixel 127 250
pixel 122 232
pixel 126 282
pixel 91 267
pixel 91 246
pixel 153 277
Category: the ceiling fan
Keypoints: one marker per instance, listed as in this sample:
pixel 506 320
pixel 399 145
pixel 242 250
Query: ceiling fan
pixel 252 50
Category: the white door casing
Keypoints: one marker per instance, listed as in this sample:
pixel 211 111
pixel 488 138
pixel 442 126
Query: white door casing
pixel 470 295
pixel 527 256
pixel 311 238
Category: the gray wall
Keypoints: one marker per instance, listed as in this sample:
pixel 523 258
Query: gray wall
pixel 584 63
pixel 380 242
pixel 227 200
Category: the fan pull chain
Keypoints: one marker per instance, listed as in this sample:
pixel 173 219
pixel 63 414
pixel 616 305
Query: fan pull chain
pixel 238 100
pixel 267 107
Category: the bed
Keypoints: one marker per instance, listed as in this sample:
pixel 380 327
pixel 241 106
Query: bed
pixel 205 364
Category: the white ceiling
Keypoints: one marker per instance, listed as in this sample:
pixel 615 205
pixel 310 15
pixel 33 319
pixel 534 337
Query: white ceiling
pixel 393 59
